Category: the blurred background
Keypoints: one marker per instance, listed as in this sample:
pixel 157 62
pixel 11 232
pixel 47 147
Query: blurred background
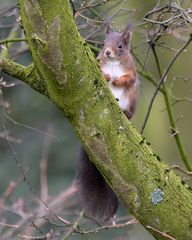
pixel 38 130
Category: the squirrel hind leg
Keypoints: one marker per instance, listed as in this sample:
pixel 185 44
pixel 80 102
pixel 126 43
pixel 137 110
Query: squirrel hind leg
pixel 95 195
pixel 129 112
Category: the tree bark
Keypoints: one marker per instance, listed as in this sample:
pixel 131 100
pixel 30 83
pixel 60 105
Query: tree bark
pixel 72 80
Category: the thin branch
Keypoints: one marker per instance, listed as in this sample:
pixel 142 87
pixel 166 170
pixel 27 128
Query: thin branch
pixel 181 170
pixel 166 95
pixel 27 127
pixel 5 11
pixel 43 165
pixel 144 73
pixel 49 235
pixel 9 190
pixel 93 5
pixel 11 40
pixel 4 52
pixel 9 225
pixel 25 178
pixel 57 204
pixel 163 234
pixel 178 100
pixel 89 20
pixel 161 81
pixel 155 10
pixel 74 227
pixel 116 226
pixel 149 77
pixel 29 75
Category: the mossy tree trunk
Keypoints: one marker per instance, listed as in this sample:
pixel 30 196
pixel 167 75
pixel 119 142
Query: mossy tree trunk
pixel 72 80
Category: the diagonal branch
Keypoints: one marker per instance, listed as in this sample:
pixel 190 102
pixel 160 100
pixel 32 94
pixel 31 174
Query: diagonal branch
pixel 146 186
pixel 30 75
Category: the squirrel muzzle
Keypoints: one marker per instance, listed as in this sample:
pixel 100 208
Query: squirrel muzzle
pixel 109 53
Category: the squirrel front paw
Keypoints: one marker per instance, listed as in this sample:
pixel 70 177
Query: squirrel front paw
pixel 124 81
pixel 107 77
pixel 116 83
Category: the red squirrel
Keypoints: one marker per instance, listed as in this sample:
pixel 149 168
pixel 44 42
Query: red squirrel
pixel 118 69
pixel 115 61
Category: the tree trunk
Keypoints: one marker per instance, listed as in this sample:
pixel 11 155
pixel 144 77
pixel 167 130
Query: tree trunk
pixel 146 186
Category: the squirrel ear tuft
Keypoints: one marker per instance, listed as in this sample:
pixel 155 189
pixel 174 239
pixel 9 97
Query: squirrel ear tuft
pixel 108 29
pixel 126 35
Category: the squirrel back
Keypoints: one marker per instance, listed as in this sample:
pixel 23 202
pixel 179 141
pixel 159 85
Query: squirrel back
pixel 117 66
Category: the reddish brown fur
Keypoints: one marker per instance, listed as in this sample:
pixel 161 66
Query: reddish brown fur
pixel 107 76
pixel 128 79
pixel 125 80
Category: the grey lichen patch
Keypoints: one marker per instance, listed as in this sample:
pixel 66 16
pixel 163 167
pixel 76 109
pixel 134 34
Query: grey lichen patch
pixel 81 80
pixel 46 38
pixel 130 196
pixel 53 57
pixel 34 13
pixel 121 128
pixel 96 142
pixel 157 196
pixel 104 115
pixel 81 115
pixel 98 93
pixel 134 199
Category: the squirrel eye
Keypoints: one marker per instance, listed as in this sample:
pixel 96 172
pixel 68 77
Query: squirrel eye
pixel 120 45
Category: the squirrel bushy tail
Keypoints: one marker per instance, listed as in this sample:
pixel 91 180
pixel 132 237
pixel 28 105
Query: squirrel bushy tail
pixel 95 195
pixel 117 67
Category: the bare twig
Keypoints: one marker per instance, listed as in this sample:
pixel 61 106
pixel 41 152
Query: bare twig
pixel 11 138
pixel 182 170
pixel 48 236
pixel 10 189
pixel 161 81
pixel 56 204
pixel 74 227
pixel 89 20
pixel 168 103
pixel 28 127
pixel 43 166
pixel 25 178
pixel 116 226
pixel 178 100
pixel 93 5
pixel 9 225
pixel 11 40
pixel 163 234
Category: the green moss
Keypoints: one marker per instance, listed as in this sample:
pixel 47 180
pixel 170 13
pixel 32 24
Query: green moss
pixel 74 83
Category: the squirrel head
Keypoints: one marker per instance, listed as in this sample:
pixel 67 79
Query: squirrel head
pixel 116 44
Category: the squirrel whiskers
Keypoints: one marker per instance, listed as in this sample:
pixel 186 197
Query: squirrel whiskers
pixel 115 61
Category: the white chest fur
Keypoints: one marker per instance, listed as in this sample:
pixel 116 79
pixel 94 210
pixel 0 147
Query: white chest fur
pixel 115 70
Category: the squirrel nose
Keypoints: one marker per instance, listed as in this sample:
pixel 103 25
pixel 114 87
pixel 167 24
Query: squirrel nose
pixel 108 52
